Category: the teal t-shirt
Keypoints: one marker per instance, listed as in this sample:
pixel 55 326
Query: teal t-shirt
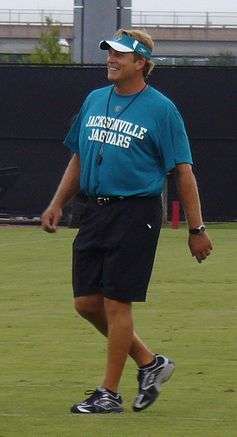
pixel 139 147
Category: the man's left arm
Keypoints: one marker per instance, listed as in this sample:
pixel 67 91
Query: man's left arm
pixel 199 244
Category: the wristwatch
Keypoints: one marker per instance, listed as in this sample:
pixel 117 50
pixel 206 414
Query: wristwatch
pixel 197 231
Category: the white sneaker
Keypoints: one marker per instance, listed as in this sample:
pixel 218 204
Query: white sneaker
pixel 150 380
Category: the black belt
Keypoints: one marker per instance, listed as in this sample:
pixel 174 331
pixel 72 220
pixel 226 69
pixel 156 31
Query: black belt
pixel 107 200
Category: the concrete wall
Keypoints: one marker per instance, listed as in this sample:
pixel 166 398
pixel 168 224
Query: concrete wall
pixel 194 48
pixel 192 41
pixel 168 41
pixel 22 39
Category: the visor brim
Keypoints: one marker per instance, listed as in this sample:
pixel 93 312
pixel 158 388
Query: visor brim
pixel 105 45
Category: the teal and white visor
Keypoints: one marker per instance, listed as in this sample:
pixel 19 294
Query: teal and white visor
pixel 126 44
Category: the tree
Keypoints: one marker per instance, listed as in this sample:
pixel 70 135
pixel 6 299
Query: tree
pixel 49 50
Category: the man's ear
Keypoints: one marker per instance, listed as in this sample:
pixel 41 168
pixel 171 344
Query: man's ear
pixel 140 64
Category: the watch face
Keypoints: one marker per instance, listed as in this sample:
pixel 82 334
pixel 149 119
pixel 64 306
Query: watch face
pixel 197 231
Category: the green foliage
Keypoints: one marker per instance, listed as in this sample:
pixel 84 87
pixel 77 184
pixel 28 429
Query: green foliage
pixel 223 58
pixel 49 50
pixel 185 61
pixel 4 58
pixel 13 58
pixel 50 356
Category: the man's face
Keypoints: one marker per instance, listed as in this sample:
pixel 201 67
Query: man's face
pixel 121 66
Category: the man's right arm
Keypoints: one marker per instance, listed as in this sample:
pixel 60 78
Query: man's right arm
pixel 67 188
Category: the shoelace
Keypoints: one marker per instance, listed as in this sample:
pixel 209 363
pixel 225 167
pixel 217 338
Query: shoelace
pixel 90 392
pixel 92 395
pixel 97 393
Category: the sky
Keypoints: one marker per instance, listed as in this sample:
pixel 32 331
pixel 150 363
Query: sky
pixel 145 5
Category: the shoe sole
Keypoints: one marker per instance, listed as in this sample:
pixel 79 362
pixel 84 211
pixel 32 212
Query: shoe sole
pixel 164 376
pixel 73 410
pixel 97 412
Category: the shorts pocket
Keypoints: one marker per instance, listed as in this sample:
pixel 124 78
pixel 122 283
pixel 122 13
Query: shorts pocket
pixel 78 213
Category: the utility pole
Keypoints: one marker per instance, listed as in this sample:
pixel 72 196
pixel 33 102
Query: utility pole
pixel 118 14
pixel 95 20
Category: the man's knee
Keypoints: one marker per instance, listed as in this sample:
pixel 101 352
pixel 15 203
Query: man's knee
pixel 88 306
pixel 117 307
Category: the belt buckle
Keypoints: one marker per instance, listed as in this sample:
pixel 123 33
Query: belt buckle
pixel 102 200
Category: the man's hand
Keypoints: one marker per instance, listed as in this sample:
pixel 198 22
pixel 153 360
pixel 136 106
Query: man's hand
pixel 67 188
pixel 50 218
pixel 200 246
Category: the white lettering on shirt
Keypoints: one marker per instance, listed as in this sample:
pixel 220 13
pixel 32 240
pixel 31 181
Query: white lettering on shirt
pixel 114 130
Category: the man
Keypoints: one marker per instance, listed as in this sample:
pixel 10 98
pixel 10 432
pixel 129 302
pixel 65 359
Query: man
pixel 125 140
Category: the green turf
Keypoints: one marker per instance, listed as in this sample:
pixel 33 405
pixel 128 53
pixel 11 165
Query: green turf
pixel 49 357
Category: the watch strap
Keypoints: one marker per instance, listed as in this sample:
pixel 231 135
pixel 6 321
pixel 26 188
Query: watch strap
pixel 197 231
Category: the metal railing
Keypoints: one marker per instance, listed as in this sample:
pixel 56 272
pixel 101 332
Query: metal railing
pixel 139 18
pixel 35 16
pixel 184 19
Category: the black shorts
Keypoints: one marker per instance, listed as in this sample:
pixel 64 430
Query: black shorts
pixel 114 250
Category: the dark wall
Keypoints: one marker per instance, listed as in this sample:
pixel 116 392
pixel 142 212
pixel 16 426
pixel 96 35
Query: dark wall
pixel 206 98
pixel 38 103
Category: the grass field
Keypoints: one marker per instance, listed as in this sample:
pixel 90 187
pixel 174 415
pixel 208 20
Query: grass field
pixel 49 357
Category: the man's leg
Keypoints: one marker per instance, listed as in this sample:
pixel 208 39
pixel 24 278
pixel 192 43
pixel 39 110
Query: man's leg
pixel 114 319
pixel 120 336
pixel 92 308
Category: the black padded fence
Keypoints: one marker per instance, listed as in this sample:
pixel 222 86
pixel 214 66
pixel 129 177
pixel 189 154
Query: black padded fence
pixel 39 102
